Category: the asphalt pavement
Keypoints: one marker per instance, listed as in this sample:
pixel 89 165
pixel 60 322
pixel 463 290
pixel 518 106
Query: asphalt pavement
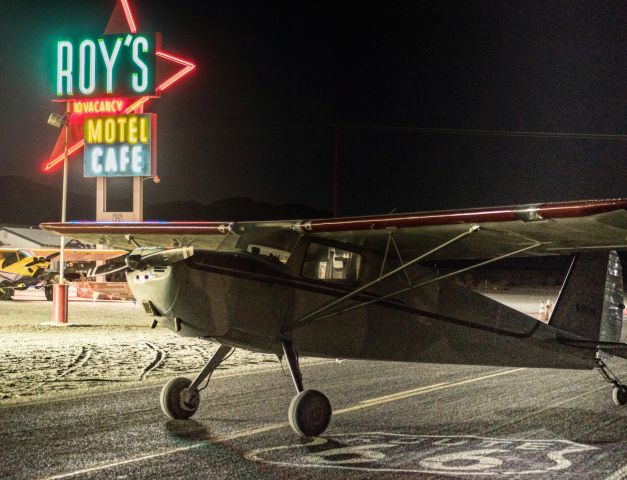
pixel 391 420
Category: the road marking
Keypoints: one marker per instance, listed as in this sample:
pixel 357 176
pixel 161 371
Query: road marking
pixel 618 474
pixel 466 455
pixel 277 426
pixel 419 391
pixel 394 396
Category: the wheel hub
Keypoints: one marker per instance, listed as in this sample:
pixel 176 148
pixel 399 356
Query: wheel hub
pixel 190 399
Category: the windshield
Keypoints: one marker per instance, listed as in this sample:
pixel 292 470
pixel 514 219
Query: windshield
pixel 9 259
pixel 270 244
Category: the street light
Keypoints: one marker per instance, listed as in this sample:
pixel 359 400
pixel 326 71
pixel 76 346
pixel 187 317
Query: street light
pixel 60 304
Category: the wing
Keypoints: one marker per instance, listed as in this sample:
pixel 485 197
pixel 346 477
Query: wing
pixel 129 235
pixel 555 228
pixel 558 228
pixel 80 254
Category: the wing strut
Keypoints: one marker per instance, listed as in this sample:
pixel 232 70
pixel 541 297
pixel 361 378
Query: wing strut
pixel 307 318
pixel 398 254
pixel 313 316
pixel 402 268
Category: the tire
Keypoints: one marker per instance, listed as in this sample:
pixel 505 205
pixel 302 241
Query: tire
pixel 6 294
pixel 48 293
pixel 172 399
pixel 310 413
pixel 619 395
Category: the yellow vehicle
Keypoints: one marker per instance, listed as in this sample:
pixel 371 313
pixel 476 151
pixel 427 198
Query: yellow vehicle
pixel 19 270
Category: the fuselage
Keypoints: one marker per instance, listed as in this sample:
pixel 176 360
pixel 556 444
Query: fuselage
pixel 251 300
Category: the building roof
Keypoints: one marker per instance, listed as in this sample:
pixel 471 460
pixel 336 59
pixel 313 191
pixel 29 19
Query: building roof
pixel 35 235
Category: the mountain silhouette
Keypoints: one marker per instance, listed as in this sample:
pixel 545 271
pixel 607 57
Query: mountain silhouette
pixel 29 203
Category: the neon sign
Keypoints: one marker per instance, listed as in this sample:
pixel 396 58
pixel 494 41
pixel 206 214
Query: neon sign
pixel 122 65
pixel 119 146
pixel 99 106
pixel 167 70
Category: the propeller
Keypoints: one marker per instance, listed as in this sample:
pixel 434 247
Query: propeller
pixel 106 269
pixel 37 260
pixel 138 259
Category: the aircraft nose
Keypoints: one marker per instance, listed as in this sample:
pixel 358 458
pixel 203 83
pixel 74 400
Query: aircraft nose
pixel 154 284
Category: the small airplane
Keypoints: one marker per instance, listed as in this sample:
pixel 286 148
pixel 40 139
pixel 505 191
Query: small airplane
pixel 24 268
pixel 19 270
pixel 358 288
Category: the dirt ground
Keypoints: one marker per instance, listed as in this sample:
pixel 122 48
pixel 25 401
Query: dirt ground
pixel 110 345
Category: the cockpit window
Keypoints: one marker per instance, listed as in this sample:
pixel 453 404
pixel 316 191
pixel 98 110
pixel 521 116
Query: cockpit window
pixel 324 262
pixel 270 244
pixel 10 259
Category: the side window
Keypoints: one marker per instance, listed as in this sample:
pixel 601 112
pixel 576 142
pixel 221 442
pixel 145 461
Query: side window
pixel 323 262
pixel 273 254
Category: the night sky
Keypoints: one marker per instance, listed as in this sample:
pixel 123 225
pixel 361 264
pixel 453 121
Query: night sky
pixel 256 118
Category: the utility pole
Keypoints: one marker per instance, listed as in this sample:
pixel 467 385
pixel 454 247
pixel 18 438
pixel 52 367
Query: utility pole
pixel 336 170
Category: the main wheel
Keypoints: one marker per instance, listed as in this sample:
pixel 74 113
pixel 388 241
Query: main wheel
pixel 6 294
pixel 176 401
pixel 48 292
pixel 309 413
pixel 619 395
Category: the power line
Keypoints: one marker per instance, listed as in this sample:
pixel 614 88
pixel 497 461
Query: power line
pixel 493 133
pixel 391 128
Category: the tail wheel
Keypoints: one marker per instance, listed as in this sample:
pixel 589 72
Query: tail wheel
pixel 176 401
pixel 309 413
pixel 619 395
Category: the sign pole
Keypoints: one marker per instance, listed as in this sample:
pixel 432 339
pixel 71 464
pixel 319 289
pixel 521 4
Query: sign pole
pixel 138 189
pixel 64 197
pixel 60 290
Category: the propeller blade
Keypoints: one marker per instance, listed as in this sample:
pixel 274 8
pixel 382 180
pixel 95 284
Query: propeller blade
pixel 139 259
pixel 159 258
pixel 106 270
pixel 53 255
pixel 35 261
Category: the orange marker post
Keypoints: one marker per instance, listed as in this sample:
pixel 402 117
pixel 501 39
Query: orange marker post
pixel 59 303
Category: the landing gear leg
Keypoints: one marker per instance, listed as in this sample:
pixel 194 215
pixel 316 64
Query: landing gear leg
pixel 180 397
pixel 619 393
pixel 310 411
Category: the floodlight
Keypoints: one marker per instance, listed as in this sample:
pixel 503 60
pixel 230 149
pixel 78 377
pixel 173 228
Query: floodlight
pixel 57 120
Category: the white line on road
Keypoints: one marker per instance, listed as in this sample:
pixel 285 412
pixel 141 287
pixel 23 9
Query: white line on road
pixel 276 426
